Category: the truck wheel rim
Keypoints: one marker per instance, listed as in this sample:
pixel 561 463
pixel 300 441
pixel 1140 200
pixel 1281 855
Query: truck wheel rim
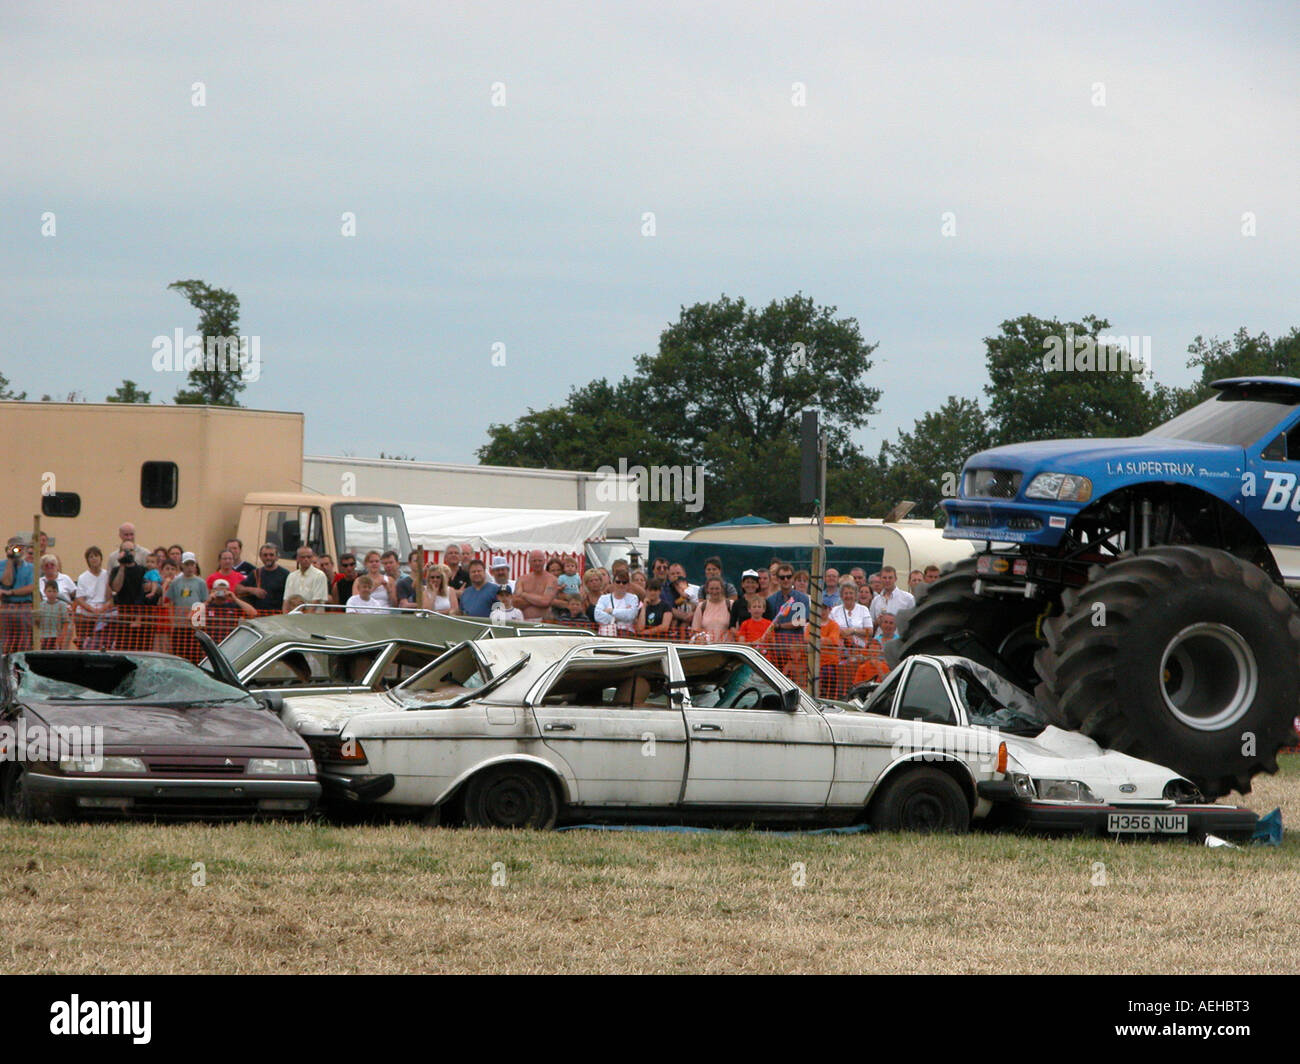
pixel 1208 676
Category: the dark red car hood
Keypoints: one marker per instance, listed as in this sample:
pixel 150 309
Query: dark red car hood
pixel 204 726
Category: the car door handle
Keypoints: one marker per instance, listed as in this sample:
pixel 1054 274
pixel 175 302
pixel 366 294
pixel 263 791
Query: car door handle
pixel 559 727
pixel 706 727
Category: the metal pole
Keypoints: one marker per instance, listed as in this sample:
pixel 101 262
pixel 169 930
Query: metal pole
pixel 818 577
pixel 36 569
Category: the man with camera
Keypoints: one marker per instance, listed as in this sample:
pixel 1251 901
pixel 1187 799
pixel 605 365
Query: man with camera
pixel 126 583
pixel 16 582
pixel 126 541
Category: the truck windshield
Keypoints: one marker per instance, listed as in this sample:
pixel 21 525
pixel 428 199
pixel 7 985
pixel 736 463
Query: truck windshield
pixel 361 527
pixel 1233 418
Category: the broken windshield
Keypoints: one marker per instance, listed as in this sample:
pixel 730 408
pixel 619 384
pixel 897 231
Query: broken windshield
pixel 126 678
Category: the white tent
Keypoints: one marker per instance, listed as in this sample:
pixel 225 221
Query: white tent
pixel 505 531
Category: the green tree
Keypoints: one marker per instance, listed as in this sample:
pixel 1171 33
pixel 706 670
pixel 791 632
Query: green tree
pixel 7 393
pixel 723 395
pixel 1030 399
pixel 129 392
pixel 923 465
pixel 219 379
pixel 1241 356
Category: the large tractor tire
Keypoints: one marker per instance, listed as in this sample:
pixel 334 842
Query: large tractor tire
pixel 948 614
pixel 1186 656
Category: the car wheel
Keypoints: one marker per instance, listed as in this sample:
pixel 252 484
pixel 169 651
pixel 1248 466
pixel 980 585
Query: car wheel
pixel 923 799
pixel 17 799
pixel 510 796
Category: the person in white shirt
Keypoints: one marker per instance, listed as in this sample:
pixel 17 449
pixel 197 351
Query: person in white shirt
pixel 92 601
pixel 363 601
pixel 618 606
pixel 853 618
pixel 307 582
pixel 891 598
pixel 504 608
pixel 50 571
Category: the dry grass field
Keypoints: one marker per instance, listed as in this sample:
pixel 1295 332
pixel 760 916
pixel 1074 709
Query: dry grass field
pixel 287 898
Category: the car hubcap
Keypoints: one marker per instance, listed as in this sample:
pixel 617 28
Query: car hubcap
pixel 1208 676
pixel 509 803
pixel 924 812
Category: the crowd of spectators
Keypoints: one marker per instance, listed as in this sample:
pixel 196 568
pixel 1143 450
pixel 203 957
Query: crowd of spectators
pixel 142 599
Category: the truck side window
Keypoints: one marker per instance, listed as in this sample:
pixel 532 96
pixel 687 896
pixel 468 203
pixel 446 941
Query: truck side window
pixel 159 485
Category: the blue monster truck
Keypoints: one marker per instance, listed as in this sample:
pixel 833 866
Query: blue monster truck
pixel 1141 583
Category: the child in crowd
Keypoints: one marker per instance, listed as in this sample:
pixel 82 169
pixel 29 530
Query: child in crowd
pixel 570 581
pixel 504 609
pixel 362 600
pixel 752 630
pixel 55 618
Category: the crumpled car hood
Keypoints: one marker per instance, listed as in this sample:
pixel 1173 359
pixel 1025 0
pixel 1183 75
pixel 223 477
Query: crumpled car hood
pixel 219 726
pixel 326 714
pixel 1059 754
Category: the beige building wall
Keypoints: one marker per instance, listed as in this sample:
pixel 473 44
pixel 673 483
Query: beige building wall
pixel 448 484
pixel 96 450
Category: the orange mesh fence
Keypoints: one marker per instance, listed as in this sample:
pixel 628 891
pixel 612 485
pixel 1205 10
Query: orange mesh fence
pixel 118 628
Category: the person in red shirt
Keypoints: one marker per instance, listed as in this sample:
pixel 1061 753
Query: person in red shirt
pixel 753 629
pixel 226 571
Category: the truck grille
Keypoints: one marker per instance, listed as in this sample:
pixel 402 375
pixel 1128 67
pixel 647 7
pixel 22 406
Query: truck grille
pixel 991 483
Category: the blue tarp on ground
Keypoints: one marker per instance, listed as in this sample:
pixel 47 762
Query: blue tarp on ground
pixel 851 829
pixel 1268 829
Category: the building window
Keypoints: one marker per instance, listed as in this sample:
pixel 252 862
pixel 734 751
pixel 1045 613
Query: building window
pixel 61 504
pixel 159 482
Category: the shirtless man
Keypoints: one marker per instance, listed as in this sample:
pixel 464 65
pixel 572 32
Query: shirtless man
pixel 535 591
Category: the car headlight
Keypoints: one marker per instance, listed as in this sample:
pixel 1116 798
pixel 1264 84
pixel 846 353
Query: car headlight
pixel 1023 785
pixel 1064 791
pixel 280 766
pixel 102 764
pixel 1064 487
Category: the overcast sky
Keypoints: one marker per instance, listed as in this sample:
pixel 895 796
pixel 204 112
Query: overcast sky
pixel 522 224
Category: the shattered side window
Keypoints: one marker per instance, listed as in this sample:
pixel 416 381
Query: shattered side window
pixel 994 702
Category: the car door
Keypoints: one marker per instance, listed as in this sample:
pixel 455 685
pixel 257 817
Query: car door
pixel 746 749
pixel 611 719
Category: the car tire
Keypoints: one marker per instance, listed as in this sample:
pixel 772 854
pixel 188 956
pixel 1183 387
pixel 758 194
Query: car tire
pixel 1186 656
pixel 17 799
pixel 510 796
pixel 949 607
pixel 926 800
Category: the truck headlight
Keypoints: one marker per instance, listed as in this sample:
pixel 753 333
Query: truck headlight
pixel 1063 487
pixel 280 766
pixel 1065 791
pixel 102 764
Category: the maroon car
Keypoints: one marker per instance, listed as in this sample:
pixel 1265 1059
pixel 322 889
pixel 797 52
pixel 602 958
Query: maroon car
pixel 142 735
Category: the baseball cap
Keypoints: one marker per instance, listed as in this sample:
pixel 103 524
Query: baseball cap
pixel 220 583
pixel 499 562
pixel 749 572
pixel 188 556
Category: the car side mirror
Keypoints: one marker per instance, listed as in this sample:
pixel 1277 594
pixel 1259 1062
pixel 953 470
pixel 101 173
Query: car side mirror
pixel 790 700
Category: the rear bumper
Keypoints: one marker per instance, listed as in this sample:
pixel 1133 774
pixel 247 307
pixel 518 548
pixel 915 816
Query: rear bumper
pixel 1049 817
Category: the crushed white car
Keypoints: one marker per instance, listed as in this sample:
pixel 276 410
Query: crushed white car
pixel 527 733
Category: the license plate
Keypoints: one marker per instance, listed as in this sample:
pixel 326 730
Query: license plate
pixel 1146 823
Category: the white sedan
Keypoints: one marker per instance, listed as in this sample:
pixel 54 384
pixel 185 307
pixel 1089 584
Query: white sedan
pixel 527 733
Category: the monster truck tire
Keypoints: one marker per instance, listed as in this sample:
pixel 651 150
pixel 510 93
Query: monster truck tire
pixel 1186 656
pixel 949 606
